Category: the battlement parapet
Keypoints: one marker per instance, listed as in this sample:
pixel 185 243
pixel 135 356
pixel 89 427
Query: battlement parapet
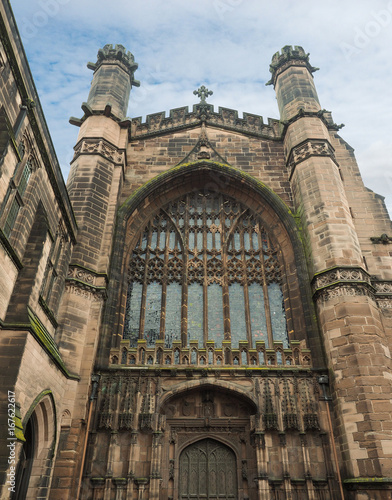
pixel 226 118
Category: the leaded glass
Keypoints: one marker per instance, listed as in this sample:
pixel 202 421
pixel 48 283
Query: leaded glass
pixel 257 312
pixel 153 313
pixel 237 314
pixel 195 313
pixel 132 316
pixel 278 320
pixel 173 314
pixel 215 314
pixel 195 253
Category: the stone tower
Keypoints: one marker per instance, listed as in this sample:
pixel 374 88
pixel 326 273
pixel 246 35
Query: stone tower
pixel 344 268
pixel 94 185
pixel 203 311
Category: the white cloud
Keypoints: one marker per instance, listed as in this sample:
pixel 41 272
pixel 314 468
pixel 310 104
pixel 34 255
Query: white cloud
pixel 227 45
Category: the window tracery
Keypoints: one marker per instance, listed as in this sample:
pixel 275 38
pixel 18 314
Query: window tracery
pixel 204 268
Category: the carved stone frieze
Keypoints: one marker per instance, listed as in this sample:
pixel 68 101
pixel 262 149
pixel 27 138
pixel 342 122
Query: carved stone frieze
pixel 86 283
pixel 339 274
pixel 383 287
pixel 308 148
pixel 384 303
pixel 100 147
pixel 342 281
pixel 87 292
pixel 344 290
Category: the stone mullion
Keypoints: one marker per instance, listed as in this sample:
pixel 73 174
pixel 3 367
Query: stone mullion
pixel 308 467
pixel 285 464
pixel 205 280
pixel 328 465
pixel 265 290
pixel 225 282
pixel 245 289
pixel 164 283
pixel 262 466
pixel 155 475
pixel 113 441
pixel 113 444
pixel 184 305
pixel 145 283
pixel 132 460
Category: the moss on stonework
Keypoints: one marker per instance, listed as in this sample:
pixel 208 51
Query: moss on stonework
pixel 364 480
pixel 48 343
pixel 219 166
pixel 18 425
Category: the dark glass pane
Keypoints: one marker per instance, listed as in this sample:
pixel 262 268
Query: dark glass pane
pixel 278 316
pixel 237 314
pixel 162 240
pixel 246 241
pixel 192 240
pixel 153 313
pixel 209 241
pixel 257 313
pixel 195 313
pixel 172 240
pixel 132 312
pixel 173 314
pixel 215 314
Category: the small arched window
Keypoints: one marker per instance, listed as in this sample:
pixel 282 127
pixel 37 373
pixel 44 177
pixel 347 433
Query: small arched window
pixel 204 268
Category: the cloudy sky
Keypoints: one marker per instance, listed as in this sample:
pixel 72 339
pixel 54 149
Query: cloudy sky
pixel 226 45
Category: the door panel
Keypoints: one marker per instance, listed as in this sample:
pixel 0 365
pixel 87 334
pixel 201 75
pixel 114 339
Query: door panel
pixel 208 471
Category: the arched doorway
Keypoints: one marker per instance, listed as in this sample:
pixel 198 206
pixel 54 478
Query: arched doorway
pixel 208 471
pixel 23 472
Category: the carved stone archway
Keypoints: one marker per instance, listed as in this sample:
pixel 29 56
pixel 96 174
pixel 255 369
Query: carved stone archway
pixel 208 447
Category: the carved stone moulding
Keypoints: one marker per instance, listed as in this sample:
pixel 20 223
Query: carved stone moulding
pixel 308 148
pixel 340 282
pixel 101 147
pixel 86 283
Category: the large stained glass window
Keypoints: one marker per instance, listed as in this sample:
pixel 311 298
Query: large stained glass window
pixel 204 268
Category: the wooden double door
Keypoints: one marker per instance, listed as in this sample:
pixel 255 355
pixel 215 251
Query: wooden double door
pixel 208 471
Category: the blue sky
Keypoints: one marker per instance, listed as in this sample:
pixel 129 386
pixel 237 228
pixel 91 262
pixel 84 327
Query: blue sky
pixel 226 45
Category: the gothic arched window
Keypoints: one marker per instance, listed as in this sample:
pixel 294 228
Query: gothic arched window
pixel 204 268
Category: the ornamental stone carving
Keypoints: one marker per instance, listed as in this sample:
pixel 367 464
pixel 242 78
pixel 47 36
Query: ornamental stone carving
pixel 100 147
pixel 308 148
pixel 86 283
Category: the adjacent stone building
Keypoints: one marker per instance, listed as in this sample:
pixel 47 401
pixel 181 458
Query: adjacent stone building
pixel 204 311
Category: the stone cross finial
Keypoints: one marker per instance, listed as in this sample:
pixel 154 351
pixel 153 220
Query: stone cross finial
pixel 203 93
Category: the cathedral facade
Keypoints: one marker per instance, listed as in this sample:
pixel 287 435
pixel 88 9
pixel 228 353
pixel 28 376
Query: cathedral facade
pixel 204 310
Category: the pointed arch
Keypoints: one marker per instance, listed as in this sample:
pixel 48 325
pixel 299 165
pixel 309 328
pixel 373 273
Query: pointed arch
pixel 35 462
pixel 213 176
